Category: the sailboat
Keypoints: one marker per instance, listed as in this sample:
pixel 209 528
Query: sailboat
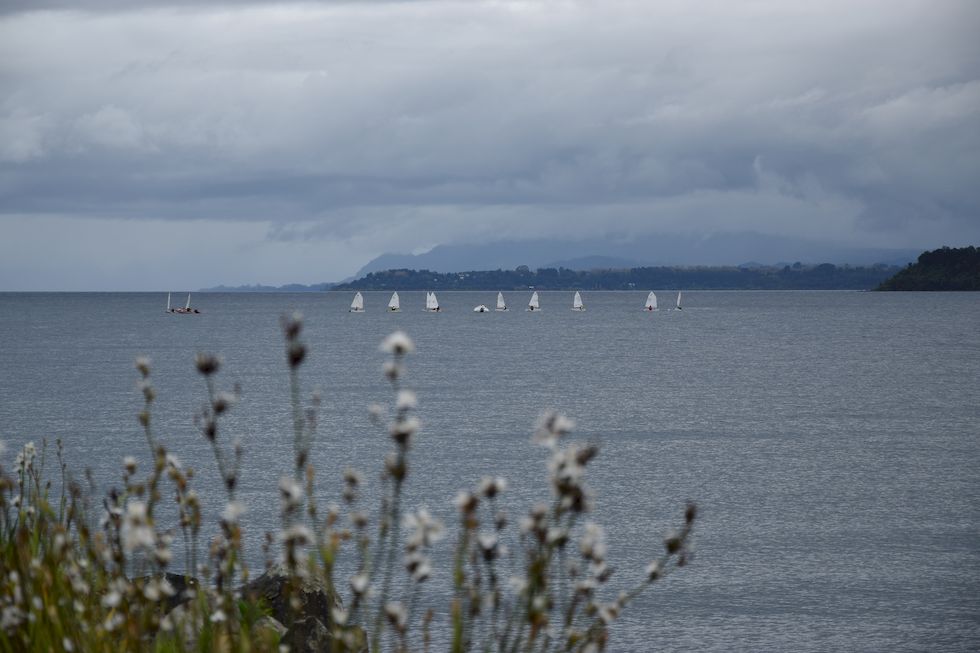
pixel 501 304
pixel 651 304
pixel 534 305
pixel 679 300
pixel 482 308
pixel 577 304
pixel 186 310
pixel 357 306
pixel 431 303
pixel 394 305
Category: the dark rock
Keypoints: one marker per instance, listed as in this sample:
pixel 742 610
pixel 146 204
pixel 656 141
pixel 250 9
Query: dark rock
pixel 307 635
pixel 313 596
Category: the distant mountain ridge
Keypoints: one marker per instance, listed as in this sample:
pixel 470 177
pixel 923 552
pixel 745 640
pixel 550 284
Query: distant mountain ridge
pixel 664 250
pixel 289 287
pixel 796 277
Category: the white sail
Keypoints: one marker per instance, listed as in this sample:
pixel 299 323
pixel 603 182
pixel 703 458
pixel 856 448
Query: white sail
pixel 394 304
pixel 577 304
pixel 501 304
pixel 651 304
pixel 431 303
pixel 168 303
pixel 482 308
pixel 678 300
pixel 357 306
pixel 534 305
pixel 188 306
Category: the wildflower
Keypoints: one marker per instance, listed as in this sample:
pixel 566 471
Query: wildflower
pixel 130 464
pixel 466 502
pixel 353 477
pixel 339 616
pixel 421 570
pixel 491 487
pixel 406 400
pixel 396 614
pixel 149 394
pixel 207 364
pixel 223 401
pixel 112 599
pixel 291 493
pixel 557 536
pixel 518 584
pixel 488 544
pixel 292 325
pixel 654 571
pixel 218 616
pixel 402 430
pixel 298 534
pixel 143 365
pixel 233 511
pixel 398 343
pixel 550 427
pixel 391 370
pixel 359 584
pixel 592 545
pixel 427 529
pixel 136 532
pixel 151 591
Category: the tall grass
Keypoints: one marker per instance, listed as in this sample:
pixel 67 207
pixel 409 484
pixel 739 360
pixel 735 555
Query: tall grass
pixel 83 572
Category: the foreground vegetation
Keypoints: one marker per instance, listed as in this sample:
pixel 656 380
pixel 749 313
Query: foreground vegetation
pixel 941 269
pixel 790 277
pixel 80 572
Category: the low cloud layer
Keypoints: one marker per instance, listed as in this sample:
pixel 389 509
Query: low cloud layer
pixel 328 133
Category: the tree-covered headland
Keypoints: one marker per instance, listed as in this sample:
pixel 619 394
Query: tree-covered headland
pixel 941 269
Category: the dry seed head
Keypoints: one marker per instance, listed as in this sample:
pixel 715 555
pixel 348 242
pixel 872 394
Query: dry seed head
pixel 291 325
pixel 207 364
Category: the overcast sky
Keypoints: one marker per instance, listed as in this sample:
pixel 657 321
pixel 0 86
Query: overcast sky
pixel 158 145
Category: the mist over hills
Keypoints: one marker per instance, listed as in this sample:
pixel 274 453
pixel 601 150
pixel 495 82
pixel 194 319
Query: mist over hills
pixel 663 250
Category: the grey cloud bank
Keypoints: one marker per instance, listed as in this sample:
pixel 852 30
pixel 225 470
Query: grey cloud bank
pixel 165 144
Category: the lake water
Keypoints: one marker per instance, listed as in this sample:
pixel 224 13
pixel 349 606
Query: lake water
pixel 830 438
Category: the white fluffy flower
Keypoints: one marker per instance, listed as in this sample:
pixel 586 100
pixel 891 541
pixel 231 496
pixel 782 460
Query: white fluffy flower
pixel 233 511
pixel 406 400
pixel 398 343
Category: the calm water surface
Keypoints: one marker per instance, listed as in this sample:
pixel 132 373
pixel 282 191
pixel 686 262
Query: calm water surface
pixel 831 439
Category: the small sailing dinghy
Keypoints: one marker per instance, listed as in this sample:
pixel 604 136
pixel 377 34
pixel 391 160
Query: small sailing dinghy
pixel 501 304
pixel 431 303
pixel 394 305
pixel 679 301
pixel 357 306
pixel 482 308
pixel 186 310
pixel 577 304
pixel 651 304
pixel 534 304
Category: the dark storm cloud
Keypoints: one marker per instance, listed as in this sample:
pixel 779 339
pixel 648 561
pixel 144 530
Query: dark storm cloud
pixel 407 124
